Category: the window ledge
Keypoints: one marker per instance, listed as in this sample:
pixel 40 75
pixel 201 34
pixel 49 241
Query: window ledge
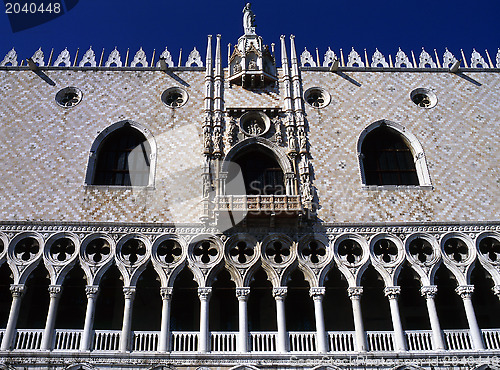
pixel 397 187
pixel 118 187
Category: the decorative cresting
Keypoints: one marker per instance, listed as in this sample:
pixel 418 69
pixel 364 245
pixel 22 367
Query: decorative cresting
pixel 251 64
pixel 10 58
pixel 64 58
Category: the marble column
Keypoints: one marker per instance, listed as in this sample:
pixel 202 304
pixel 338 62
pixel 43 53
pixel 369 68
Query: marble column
pixel 204 343
pixel 429 292
pixel 279 294
pixel 465 292
pixel 17 292
pixel 355 293
pixel 129 293
pixel 48 332
pixel 317 294
pixel 392 293
pixel 242 295
pixel 166 297
pixel 91 291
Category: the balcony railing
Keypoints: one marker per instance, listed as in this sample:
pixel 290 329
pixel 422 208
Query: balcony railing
pixel 258 204
pixel 226 342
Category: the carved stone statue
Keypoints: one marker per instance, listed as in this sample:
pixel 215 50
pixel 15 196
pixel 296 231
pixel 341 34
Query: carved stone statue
pixel 248 20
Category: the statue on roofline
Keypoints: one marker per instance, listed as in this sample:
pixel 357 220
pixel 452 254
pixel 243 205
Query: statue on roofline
pixel 248 20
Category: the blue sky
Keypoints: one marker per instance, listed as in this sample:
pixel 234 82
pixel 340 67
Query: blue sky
pixel 154 24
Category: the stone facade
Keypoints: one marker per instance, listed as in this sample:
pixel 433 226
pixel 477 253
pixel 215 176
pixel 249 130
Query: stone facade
pixel 313 118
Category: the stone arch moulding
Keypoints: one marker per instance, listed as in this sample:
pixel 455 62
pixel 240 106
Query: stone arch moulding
pixel 411 140
pixel 280 156
pixel 92 162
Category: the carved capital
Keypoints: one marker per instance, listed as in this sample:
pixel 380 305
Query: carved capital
pixel 204 293
pixel 392 292
pixel 465 291
pixel 242 293
pixel 129 292
pixel 280 292
pixel 92 291
pixel 355 292
pixel 54 291
pixel 317 292
pixel 17 291
pixel 429 291
pixel 166 292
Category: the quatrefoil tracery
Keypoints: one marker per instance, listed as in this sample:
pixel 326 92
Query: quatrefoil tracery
pixel 169 251
pixel 490 248
pixel 278 252
pixel 314 251
pixel 62 249
pixel 98 250
pixel 456 249
pixel 350 251
pixel 385 250
pixel 421 250
pixel 26 249
pixel 205 251
pixel 133 250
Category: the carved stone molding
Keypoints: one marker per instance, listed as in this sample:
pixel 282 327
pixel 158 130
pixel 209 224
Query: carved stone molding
pixel 17 291
pixel 55 291
pixel 204 293
pixel 280 292
pixel 465 291
pixel 242 293
pixel 166 293
pixel 91 291
pixel 129 292
pixel 428 291
pixel 392 292
pixel 355 292
pixel 317 292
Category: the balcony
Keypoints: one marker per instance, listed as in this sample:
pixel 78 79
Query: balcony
pixel 258 205
pixel 259 342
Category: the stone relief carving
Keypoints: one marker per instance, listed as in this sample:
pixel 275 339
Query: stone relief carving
pixel 307 58
pixel 11 58
pixel 194 58
pixel 354 60
pixel 63 58
pixel 448 59
pixel 139 58
pixel 378 60
pixel 88 57
pixel 167 57
pixel 477 61
pixel 426 60
pixel 402 60
pixel 330 57
pixel 114 58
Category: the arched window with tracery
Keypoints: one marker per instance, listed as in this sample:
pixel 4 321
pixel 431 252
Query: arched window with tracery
pixel 123 159
pixel 387 158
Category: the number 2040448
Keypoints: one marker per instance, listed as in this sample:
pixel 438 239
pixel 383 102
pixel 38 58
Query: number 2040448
pixel 32 8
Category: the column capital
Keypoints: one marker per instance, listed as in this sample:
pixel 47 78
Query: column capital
pixel 465 291
pixel 55 291
pixel 428 291
pixel 355 292
pixel 392 292
pixel 242 293
pixel 280 292
pixel 91 291
pixel 129 292
pixel 204 293
pixel 17 290
pixel 166 292
pixel 317 292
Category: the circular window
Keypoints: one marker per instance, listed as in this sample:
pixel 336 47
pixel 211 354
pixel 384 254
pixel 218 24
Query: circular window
pixel 423 98
pixel 69 97
pixel 254 123
pixel 316 97
pixel 174 97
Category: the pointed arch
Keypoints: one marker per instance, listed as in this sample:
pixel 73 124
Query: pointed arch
pixel 409 168
pixel 114 150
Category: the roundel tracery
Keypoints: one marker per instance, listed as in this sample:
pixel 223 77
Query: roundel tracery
pixel 61 248
pixel 240 249
pixel 132 249
pixel 489 248
pixel 349 250
pixel 26 247
pixel 386 249
pixel 205 250
pixel 313 250
pixel 421 249
pixel 167 250
pixel 456 248
pixel 277 250
pixel 96 249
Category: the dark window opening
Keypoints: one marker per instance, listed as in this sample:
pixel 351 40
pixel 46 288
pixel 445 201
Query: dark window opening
pixel 261 304
pixel 185 312
pixel 5 295
pixel 123 159
pixel 412 306
pixel 223 304
pixel 73 302
pixel 337 306
pixel 262 174
pixel 299 307
pixel 35 302
pixel 486 304
pixel 374 303
pixel 146 314
pixel 110 301
pixel 449 305
pixel 387 160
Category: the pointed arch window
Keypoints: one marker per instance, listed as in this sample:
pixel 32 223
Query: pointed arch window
pixel 387 159
pixel 123 159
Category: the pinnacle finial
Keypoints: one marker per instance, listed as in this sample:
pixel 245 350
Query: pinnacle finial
pixel 248 20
